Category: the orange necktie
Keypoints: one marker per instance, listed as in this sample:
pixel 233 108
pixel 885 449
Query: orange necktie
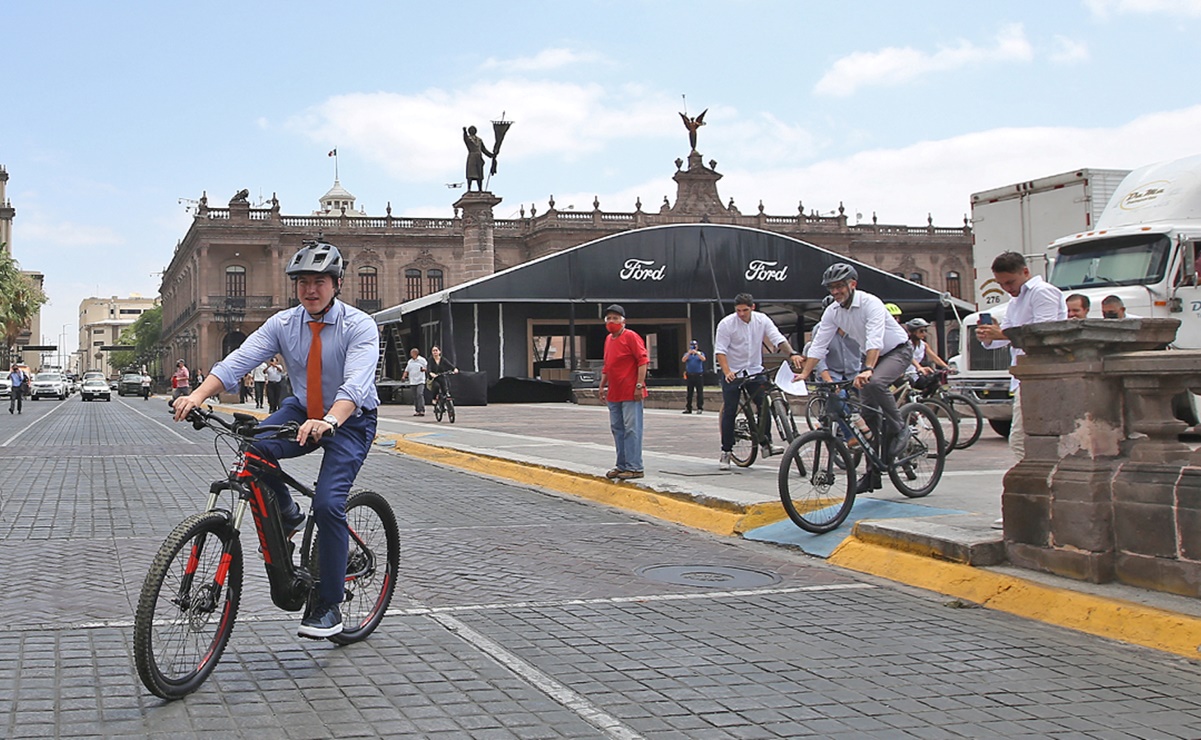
pixel 313 392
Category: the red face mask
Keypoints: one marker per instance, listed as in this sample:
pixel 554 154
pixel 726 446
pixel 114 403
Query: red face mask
pixel 614 326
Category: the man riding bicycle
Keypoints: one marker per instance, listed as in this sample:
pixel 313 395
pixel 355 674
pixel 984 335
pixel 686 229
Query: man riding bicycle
pixel 738 347
pixel 338 345
pixel 887 353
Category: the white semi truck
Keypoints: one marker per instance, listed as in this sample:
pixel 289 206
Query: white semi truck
pixel 1142 248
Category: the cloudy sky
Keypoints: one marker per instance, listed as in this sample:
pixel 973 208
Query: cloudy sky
pixel 115 112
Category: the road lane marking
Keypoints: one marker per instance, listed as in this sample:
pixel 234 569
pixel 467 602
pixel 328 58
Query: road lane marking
pixel 33 423
pixel 156 421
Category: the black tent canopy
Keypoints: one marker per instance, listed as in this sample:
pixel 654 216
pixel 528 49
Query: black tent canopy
pixel 687 273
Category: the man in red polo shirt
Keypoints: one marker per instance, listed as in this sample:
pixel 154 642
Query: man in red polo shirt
pixel 623 385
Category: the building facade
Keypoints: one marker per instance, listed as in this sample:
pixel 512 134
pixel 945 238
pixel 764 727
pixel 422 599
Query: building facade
pixel 101 321
pixel 33 332
pixel 226 275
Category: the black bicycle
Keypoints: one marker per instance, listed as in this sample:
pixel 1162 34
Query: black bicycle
pixel 756 410
pixel 444 403
pixel 817 475
pixel 189 600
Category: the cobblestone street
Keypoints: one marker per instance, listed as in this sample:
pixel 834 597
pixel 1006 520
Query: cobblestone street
pixel 519 614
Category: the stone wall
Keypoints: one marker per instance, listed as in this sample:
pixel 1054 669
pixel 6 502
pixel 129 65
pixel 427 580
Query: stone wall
pixel 1107 490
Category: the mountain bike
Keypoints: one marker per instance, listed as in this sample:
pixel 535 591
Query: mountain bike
pixel 444 403
pixel 965 411
pixel 817 475
pixel 189 599
pixel 756 410
pixel 905 391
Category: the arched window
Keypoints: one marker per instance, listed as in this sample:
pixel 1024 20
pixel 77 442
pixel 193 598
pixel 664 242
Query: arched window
pixel 435 280
pixel 953 286
pixel 412 284
pixel 916 277
pixel 235 281
pixel 368 284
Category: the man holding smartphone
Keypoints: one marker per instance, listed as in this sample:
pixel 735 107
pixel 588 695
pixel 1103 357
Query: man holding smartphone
pixel 1034 302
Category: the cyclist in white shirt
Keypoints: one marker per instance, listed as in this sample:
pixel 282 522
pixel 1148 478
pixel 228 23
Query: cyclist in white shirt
pixel 738 349
pixel 887 352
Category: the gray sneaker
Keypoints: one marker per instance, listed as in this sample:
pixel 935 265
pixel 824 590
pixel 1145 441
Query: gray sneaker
pixel 723 462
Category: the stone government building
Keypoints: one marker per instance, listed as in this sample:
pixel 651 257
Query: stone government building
pixel 226 275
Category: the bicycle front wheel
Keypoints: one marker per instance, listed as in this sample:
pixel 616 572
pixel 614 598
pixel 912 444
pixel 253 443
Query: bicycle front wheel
pixel 438 410
pixel 745 448
pixel 817 482
pixel 186 610
pixel 371 567
pixel 946 420
pixel 917 470
pixel 450 411
pixel 969 417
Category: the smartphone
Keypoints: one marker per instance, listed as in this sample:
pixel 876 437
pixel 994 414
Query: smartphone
pixel 985 318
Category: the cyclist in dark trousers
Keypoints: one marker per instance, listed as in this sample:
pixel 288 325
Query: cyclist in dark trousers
pixel 887 351
pixel 338 345
pixel 438 367
pixel 738 349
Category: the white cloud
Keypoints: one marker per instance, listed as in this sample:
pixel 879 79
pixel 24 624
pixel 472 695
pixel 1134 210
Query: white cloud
pixel 543 61
pixel 902 64
pixel 67 234
pixel 1103 8
pixel 418 137
pixel 1069 51
pixel 937 177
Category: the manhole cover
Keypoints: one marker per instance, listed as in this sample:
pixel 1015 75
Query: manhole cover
pixel 709 576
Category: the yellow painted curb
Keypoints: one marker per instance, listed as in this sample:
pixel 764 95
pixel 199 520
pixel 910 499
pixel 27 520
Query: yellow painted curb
pixel 726 520
pixel 1112 618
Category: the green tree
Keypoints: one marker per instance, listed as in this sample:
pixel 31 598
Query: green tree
pixel 20 300
pixel 143 335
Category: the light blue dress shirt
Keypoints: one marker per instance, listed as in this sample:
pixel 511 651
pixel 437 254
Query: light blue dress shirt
pixel 349 354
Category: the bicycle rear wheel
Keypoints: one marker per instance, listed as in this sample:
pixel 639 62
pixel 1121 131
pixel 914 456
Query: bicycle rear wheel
pixel 185 615
pixel 450 410
pixel 785 422
pixel 947 419
pixel 969 416
pixel 817 482
pixel 918 469
pixel 815 411
pixel 371 567
pixel 745 448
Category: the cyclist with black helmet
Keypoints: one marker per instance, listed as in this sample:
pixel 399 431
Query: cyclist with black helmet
pixel 920 373
pixel 337 346
pixel 887 352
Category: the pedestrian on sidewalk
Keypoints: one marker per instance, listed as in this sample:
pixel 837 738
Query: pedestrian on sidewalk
pixel 415 374
pixel 145 385
pixel 20 383
pixel 260 383
pixel 738 348
pixel 275 384
pixel 179 381
pixel 694 376
pixel 1034 301
pixel 623 386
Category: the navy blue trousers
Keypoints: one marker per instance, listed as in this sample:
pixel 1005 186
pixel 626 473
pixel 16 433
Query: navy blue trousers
pixel 344 455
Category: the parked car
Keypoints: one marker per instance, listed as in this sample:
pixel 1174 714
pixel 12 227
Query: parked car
pixel 131 385
pixel 46 385
pixel 94 388
pixel 6 386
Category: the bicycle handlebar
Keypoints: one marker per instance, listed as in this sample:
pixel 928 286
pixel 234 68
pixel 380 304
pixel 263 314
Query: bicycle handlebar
pixel 247 428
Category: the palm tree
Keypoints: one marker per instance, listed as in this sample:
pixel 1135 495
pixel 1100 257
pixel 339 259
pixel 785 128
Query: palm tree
pixel 20 300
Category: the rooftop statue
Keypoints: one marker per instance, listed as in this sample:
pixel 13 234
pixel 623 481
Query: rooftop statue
pixel 692 124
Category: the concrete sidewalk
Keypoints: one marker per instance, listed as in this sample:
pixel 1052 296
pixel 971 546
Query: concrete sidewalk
pixel 944 542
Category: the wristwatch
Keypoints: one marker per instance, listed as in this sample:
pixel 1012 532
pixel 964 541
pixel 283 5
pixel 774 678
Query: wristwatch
pixel 331 420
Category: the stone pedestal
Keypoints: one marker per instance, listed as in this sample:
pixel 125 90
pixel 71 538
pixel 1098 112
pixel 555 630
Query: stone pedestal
pixel 1106 490
pixel 479 251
